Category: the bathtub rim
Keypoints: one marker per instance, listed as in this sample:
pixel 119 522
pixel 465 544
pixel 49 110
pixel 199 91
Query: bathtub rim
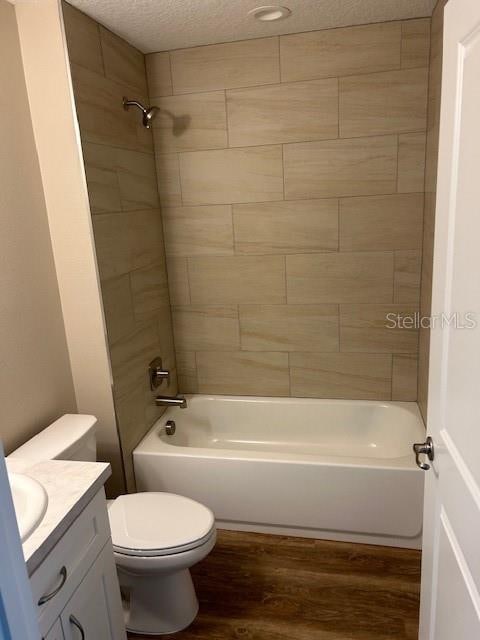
pixel 163 448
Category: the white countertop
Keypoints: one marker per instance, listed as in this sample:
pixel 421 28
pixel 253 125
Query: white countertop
pixel 70 486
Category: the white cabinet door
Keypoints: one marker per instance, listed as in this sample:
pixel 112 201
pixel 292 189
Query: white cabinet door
pixel 450 602
pixel 94 612
pixel 56 632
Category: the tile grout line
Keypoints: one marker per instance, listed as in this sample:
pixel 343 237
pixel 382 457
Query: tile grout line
pixel 269 145
pixel 267 85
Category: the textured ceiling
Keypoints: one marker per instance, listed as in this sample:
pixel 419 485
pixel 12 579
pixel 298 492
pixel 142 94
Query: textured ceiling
pixel 158 25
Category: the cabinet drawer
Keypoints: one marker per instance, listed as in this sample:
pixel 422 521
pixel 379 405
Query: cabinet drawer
pixel 63 569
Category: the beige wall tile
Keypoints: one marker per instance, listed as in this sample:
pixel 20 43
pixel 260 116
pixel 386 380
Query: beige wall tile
pixel 340 277
pixel 100 117
pixel 187 384
pixel 178 281
pixel 127 241
pixel 206 328
pixel 289 327
pixel 252 174
pixel 368 328
pixel 165 333
pixel 406 286
pixel 112 243
pixel 136 179
pixel 187 372
pixel 159 77
pixel 119 179
pixel 301 226
pixel 83 38
pixel 363 166
pixel 123 63
pixel 168 179
pixel 411 162
pixel 289 112
pixel 102 180
pixel 118 307
pixel 381 103
pixel 187 364
pixel 427 253
pixel 243 373
pixel 423 370
pixel 166 347
pixel 149 291
pixel 146 238
pixel 194 231
pixel 225 66
pixel 415 43
pixel 130 412
pixel 237 280
pixel 381 223
pixel 341 375
pixel 191 122
pixel 337 52
pixel 404 377
pixel 130 357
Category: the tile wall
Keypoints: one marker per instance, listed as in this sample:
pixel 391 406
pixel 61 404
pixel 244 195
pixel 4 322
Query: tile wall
pixel 122 186
pixel 291 177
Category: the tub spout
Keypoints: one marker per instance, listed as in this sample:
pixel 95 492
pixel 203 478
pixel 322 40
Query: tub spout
pixel 165 401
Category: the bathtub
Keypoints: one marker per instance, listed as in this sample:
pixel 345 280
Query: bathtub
pixel 331 469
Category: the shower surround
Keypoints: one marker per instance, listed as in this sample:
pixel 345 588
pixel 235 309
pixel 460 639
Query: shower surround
pixel 293 209
pixel 292 199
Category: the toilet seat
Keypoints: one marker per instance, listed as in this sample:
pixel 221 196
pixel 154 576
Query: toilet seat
pixel 158 524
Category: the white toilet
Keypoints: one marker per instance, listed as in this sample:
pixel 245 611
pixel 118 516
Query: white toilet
pixel 156 537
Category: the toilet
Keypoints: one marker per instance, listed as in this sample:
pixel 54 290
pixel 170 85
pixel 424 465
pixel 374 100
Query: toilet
pixel 156 536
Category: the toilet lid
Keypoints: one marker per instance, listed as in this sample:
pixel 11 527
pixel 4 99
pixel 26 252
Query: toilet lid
pixel 152 524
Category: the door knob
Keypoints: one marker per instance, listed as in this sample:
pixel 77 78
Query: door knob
pixel 425 448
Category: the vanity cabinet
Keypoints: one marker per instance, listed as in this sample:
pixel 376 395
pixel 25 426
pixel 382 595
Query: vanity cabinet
pixel 56 632
pixel 93 608
pixel 76 588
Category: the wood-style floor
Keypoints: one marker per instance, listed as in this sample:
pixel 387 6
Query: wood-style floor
pixel 261 587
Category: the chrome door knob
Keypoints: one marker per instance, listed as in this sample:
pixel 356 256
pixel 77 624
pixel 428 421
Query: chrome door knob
pixel 424 448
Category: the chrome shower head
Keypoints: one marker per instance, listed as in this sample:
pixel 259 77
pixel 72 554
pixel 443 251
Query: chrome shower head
pixel 149 113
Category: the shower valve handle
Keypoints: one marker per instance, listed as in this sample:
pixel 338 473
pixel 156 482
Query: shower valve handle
pixel 157 373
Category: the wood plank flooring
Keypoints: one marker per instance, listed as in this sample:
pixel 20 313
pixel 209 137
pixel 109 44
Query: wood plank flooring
pixel 262 587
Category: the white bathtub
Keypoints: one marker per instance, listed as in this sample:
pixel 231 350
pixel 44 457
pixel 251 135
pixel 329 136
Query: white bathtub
pixel 333 469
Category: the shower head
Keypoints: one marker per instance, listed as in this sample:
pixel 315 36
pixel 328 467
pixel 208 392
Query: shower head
pixel 179 123
pixel 149 113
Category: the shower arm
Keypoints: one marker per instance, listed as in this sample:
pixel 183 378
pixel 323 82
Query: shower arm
pixel 133 103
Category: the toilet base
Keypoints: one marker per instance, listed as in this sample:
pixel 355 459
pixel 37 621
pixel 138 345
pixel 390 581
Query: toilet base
pixel 160 604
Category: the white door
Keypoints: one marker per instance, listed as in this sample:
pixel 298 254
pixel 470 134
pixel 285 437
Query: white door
pixel 450 603
pixel 94 611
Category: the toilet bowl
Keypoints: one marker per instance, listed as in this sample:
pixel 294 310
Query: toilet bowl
pixel 156 538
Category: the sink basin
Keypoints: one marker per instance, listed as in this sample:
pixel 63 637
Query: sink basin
pixel 30 501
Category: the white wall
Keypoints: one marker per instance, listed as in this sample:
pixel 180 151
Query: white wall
pixel 47 74
pixel 36 384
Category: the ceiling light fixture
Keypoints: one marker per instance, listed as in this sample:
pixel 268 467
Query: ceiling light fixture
pixel 270 13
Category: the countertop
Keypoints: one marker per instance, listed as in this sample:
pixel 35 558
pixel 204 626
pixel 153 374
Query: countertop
pixel 70 486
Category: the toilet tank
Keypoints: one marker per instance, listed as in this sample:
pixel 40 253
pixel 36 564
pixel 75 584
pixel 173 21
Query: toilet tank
pixel 71 437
